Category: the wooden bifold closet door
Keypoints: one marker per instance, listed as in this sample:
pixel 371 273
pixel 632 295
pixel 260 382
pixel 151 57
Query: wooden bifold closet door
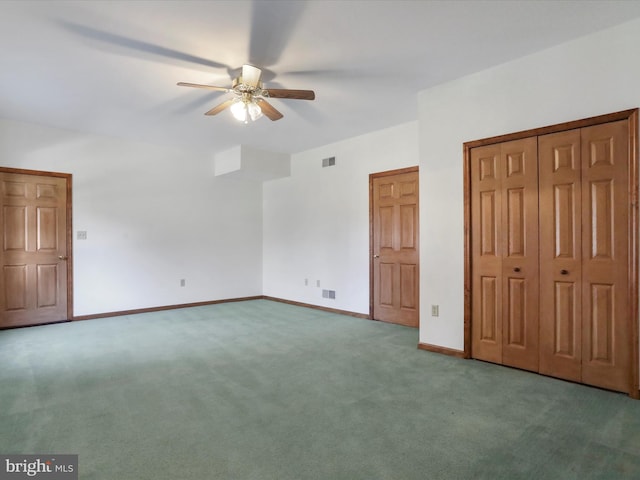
pixel 584 323
pixel 550 254
pixel 505 253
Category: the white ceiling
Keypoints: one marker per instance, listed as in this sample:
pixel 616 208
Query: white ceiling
pixel 111 67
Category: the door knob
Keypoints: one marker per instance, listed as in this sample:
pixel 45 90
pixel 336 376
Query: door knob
pixel 376 256
pixel 564 272
pixel 517 269
pixel 62 257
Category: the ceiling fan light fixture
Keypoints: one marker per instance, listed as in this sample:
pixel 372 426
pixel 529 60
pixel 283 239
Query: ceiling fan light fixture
pixel 244 109
pixel 239 110
pixel 255 112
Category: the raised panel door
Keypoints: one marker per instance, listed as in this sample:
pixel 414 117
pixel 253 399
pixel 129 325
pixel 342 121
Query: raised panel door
pixel 586 241
pixel 560 254
pixel 33 283
pixel 504 209
pixel 605 232
pixel 395 246
pixel 486 251
pixel 519 237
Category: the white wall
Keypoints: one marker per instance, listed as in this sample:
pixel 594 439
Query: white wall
pixel 153 216
pixel 316 222
pixel 250 164
pixel 590 76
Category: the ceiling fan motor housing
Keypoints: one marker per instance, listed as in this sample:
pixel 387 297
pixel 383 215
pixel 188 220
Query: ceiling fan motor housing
pixel 240 87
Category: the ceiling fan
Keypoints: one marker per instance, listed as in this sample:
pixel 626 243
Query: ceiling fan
pixel 249 96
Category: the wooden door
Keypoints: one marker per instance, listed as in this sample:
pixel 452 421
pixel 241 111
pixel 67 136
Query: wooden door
pixel 587 244
pixel 561 255
pixel 486 248
pixel 520 254
pixel 584 251
pixel 34 249
pixel 606 354
pixel 394 245
pixel 504 203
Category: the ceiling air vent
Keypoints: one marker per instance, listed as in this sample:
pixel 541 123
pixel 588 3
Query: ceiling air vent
pixel 328 162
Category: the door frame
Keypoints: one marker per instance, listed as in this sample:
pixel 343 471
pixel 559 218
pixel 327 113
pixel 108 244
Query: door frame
pixel 69 234
pixel 630 115
pixel 372 177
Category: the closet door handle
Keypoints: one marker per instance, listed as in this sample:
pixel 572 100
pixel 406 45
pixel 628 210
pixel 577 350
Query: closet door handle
pixel 517 269
pixel 564 272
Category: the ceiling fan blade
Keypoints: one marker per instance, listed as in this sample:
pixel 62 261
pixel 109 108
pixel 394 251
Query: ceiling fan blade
pixel 268 110
pixel 292 94
pixel 217 109
pixel 139 46
pixel 273 24
pixel 206 87
pixel 251 75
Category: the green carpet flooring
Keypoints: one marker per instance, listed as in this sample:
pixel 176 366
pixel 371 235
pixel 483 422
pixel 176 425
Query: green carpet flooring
pixel 263 390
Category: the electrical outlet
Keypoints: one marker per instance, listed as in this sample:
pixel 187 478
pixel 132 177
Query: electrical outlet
pixel 435 310
pixel 82 235
pixel 317 283
pixel 183 282
pixel 306 282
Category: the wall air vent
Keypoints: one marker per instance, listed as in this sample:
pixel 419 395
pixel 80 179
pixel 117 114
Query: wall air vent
pixel 328 162
pixel 329 294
